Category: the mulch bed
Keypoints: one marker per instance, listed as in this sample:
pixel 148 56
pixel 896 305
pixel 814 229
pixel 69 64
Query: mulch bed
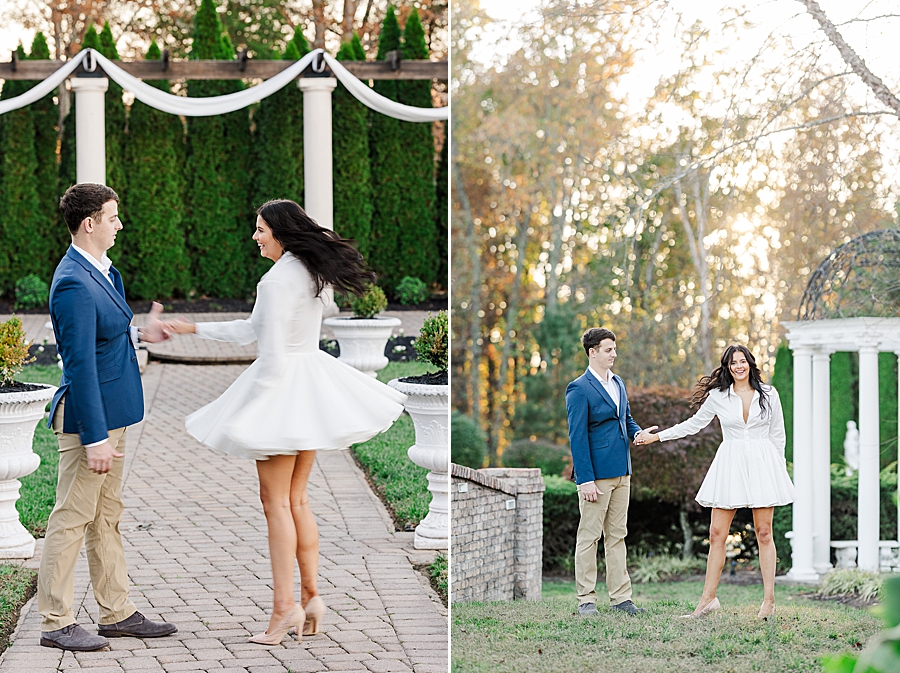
pixel 850 600
pixel 17 387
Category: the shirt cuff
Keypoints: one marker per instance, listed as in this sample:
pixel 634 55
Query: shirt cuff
pixel 135 335
pixel 87 446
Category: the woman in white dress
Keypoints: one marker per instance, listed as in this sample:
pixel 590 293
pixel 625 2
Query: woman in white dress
pixel 749 469
pixel 294 399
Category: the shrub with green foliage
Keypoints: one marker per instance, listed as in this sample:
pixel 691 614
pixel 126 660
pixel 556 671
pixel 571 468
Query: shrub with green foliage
pixel 852 582
pixel 468 445
pixel 882 654
pixel 561 519
pixel 663 567
pixel 431 344
pixel 19 212
pixel 388 165
pixel 552 459
pixel 32 292
pixel 13 350
pixel 218 216
pixel 353 197
pixel 116 176
pixel 278 139
pixel 418 237
pixel 153 259
pixel 55 239
pixel 369 304
pixel 411 291
pixel 442 217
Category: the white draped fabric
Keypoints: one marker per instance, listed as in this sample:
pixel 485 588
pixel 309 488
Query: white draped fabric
pixel 216 105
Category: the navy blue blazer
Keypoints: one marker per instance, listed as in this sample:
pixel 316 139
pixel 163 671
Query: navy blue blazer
pixel 599 435
pixel 100 381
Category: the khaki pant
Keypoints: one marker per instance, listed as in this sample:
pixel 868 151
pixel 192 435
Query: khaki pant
pixel 88 510
pixel 606 518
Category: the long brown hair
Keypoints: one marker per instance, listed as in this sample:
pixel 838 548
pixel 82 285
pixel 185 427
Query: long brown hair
pixel 330 259
pixel 721 379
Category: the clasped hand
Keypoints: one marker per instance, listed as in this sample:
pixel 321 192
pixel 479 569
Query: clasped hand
pixel 646 436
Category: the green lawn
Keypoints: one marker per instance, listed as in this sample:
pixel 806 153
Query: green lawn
pixel 546 636
pixel 399 482
pixel 17 585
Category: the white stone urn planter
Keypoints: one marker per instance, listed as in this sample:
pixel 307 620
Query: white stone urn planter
pixel 19 414
pixel 429 407
pixel 362 341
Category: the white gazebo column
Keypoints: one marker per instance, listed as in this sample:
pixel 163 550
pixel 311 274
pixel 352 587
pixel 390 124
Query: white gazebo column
pixel 318 189
pixel 90 129
pixel 821 459
pixel 869 460
pixel 802 569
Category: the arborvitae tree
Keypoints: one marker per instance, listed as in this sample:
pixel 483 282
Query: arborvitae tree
pixel 46 118
pixel 351 169
pixel 278 142
pixel 218 218
pixel 19 231
pixel 154 261
pixel 388 164
pixel 418 237
pixel 442 187
pixel 115 128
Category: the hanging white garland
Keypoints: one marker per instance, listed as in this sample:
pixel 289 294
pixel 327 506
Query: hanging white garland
pixel 217 105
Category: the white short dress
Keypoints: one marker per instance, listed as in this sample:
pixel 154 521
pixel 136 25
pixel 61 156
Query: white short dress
pixel 749 469
pixel 294 397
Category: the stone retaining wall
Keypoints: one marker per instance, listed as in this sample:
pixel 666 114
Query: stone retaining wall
pixel 496 533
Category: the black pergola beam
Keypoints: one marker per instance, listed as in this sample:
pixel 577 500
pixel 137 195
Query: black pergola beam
pixel 237 69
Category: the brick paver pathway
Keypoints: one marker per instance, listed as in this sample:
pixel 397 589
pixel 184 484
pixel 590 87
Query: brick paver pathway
pixel 189 348
pixel 195 539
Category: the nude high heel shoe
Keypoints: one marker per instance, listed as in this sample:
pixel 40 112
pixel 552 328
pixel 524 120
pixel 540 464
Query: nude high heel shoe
pixel 314 611
pixel 708 609
pixel 292 620
pixel 765 616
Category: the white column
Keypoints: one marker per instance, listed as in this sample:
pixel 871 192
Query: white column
pixel 318 190
pixel 869 463
pixel 821 460
pixel 90 129
pixel 802 569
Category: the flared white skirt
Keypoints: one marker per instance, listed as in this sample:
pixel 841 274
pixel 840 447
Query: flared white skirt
pixel 746 473
pixel 316 403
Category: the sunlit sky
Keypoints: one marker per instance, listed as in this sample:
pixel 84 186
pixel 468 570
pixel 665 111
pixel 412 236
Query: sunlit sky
pixel 875 41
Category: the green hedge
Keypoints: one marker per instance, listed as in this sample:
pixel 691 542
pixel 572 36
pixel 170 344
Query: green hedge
pixel 211 181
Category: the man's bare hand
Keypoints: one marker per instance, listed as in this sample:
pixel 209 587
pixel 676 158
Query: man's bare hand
pixel 589 491
pixel 646 436
pixel 100 457
pixel 154 331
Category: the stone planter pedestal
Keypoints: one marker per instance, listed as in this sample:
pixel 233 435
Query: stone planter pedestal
pixel 362 341
pixel 19 414
pixel 429 407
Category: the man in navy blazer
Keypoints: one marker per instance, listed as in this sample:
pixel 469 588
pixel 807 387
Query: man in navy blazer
pixel 99 396
pixel 600 433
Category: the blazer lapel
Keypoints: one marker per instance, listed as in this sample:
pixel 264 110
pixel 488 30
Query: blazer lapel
pixel 622 401
pixel 599 387
pixel 104 283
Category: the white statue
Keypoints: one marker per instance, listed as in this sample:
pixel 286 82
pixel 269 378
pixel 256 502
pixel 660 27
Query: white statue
pixel 851 448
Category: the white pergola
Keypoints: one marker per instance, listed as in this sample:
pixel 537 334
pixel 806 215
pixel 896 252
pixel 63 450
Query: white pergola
pixel 812 343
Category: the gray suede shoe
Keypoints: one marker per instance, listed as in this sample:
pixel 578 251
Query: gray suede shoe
pixel 628 607
pixel 587 610
pixel 73 638
pixel 137 626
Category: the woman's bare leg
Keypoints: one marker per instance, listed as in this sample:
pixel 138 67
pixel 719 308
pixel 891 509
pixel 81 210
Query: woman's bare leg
pixel 275 481
pixel 307 532
pixel 762 523
pixel 719 526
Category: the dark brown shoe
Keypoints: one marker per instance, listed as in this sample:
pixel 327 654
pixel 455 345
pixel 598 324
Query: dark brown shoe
pixel 74 639
pixel 136 626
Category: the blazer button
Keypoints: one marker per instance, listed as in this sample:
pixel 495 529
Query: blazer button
pixel 133 359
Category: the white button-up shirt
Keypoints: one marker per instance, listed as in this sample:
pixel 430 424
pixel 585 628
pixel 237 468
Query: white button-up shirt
pixel 611 387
